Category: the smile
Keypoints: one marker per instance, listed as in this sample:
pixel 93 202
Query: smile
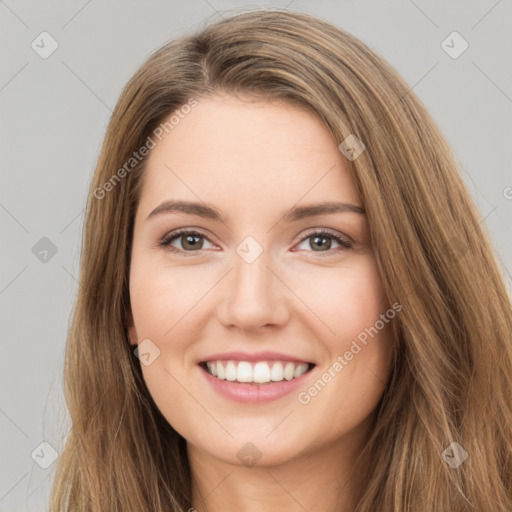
pixel 256 372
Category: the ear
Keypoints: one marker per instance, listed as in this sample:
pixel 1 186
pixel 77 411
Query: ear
pixel 132 332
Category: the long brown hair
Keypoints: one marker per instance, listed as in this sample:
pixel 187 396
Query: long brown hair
pixel 452 374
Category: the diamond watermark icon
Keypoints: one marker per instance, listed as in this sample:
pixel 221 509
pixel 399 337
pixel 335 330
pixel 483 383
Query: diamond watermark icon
pixel 351 147
pixel 44 250
pixel 44 45
pixel 44 455
pixel 147 352
pixel 454 45
pixel 249 454
pixel 454 455
pixel 249 249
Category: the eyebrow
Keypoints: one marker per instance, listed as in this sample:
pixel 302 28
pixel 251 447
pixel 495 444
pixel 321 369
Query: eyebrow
pixel 294 214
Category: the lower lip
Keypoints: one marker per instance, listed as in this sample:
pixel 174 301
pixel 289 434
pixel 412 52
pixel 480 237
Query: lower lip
pixel 254 393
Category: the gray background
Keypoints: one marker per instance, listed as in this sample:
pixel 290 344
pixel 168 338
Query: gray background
pixel 54 112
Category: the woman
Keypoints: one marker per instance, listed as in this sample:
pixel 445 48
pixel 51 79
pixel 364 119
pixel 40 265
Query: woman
pixel 216 360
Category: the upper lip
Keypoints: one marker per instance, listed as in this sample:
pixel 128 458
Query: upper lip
pixel 265 355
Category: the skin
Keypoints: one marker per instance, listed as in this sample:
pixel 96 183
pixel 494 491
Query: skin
pixel 253 161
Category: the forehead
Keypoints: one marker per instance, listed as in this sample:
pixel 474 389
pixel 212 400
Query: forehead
pixel 232 152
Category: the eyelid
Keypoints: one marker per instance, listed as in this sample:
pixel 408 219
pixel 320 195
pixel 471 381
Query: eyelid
pixel 345 243
pixel 343 240
pixel 326 231
pixel 165 241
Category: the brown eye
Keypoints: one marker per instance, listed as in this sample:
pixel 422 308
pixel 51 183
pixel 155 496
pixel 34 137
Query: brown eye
pixel 323 240
pixel 190 241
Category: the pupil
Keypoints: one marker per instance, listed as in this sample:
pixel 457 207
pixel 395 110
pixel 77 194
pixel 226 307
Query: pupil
pixel 190 241
pixel 191 237
pixel 316 238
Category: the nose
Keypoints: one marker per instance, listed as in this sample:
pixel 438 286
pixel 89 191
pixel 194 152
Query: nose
pixel 254 296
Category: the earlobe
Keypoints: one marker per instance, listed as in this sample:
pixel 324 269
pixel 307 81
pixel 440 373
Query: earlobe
pixel 132 332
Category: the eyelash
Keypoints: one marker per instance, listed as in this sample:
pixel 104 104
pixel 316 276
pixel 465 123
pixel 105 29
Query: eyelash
pixel 344 244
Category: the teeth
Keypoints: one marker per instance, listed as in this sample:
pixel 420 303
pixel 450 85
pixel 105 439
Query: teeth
pixel 220 370
pixel 299 370
pixel 231 371
pixel 261 373
pixel 289 371
pixel 212 368
pixel 243 371
pixel 277 372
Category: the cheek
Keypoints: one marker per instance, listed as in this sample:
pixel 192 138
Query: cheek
pixel 167 304
pixel 365 333
pixel 359 343
pixel 163 298
pixel 164 305
pixel 343 300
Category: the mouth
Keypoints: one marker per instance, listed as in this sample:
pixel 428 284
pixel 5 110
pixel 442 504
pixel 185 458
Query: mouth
pixel 256 372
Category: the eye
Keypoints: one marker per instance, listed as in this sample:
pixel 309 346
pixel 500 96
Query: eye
pixel 193 241
pixel 323 239
pixel 189 240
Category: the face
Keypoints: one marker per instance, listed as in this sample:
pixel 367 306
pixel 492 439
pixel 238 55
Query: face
pixel 252 276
